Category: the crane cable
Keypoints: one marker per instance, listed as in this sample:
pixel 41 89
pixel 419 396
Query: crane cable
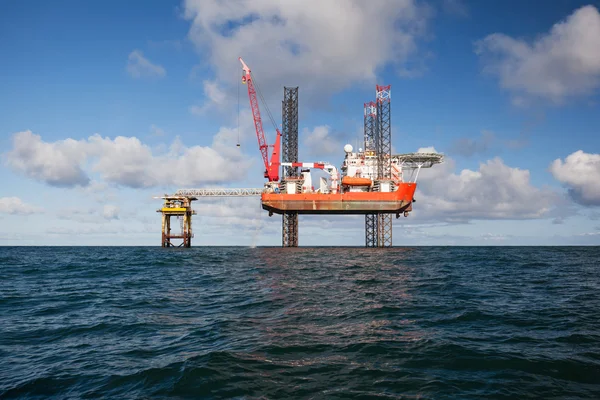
pixel 263 101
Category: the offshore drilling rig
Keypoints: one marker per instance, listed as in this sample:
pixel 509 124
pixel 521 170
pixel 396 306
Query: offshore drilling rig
pixel 371 181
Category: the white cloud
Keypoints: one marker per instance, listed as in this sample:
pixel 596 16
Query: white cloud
pixel 125 161
pixel 214 92
pixel 580 173
pixel 110 212
pixel 95 229
pixel 14 205
pixel 92 215
pixel 139 66
pixel 81 215
pixel 128 162
pixel 58 164
pixel 563 63
pixel 429 149
pixel 495 191
pixel 215 98
pixel 321 142
pixel 321 46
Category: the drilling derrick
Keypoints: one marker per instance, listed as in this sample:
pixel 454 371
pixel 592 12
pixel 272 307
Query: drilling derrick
pixel 370 116
pixel 383 136
pixel 290 155
pixel 290 129
pixel 383 148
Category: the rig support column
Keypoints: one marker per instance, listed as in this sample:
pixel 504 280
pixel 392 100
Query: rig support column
pixel 370 119
pixel 371 230
pixel 180 207
pixel 289 229
pixel 383 144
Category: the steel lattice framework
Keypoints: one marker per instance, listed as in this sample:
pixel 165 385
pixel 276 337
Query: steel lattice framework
pixel 289 115
pixel 290 129
pixel 371 230
pixel 370 132
pixel 383 148
pixel 384 230
pixel 289 229
pixel 383 137
pixel 370 128
pixel 218 192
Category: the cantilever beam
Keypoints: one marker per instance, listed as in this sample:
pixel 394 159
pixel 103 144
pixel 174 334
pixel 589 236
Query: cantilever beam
pixel 219 192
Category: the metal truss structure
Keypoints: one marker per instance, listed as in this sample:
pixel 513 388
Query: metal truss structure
pixel 218 192
pixel 421 160
pixel 289 116
pixel 370 128
pixel 289 229
pixel 384 230
pixel 370 132
pixel 378 129
pixel 413 162
pixel 383 137
pixel 371 230
pixel 179 207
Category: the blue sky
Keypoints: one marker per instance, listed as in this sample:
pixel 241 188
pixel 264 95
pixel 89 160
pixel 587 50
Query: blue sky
pixel 100 101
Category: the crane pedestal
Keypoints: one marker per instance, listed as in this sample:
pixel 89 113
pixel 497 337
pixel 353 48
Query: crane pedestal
pixel 181 208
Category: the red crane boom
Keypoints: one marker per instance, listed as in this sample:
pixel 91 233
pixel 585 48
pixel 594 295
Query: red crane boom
pixel 271 168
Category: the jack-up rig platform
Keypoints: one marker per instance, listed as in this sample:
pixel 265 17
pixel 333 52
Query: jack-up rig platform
pixel 371 181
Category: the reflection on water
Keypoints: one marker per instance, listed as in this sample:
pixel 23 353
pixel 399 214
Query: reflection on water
pixel 299 323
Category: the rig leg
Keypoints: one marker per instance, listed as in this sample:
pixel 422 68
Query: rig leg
pixel 384 230
pixel 289 229
pixel 371 230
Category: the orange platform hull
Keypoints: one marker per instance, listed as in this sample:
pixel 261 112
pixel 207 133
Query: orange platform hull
pixel 341 203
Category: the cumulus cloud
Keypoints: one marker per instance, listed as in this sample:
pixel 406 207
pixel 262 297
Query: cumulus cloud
pixel 16 206
pixel 124 161
pixel 494 191
pixel 580 173
pixel 215 99
pixel 321 46
pixel 564 62
pixel 214 92
pixel 321 142
pixel 58 164
pixel 139 66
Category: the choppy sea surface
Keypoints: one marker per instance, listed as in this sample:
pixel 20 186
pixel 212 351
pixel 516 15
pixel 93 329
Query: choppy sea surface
pixel 233 322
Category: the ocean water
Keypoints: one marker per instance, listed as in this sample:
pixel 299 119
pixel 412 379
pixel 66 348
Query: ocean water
pixel 265 323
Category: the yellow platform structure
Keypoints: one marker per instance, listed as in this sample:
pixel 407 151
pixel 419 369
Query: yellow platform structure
pixel 181 208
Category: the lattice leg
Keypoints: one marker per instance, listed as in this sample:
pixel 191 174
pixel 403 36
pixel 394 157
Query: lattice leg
pixel 384 230
pixel 290 229
pixel 371 230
